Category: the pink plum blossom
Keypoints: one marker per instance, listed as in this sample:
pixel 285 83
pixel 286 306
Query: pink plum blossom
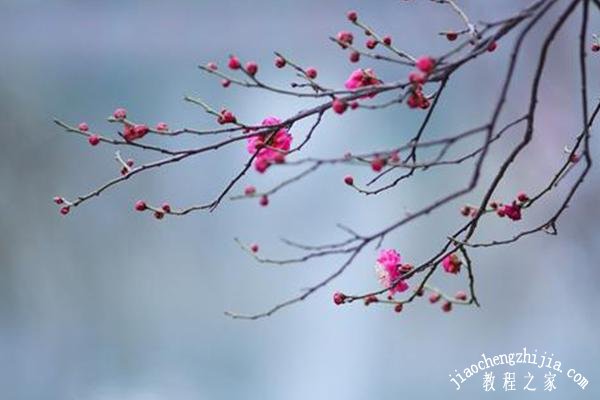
pixel 361 78
pixel 389 270
pixel 451 264
pixel 273 150
pixel 134 132
pixel 512 211
pixel 425 64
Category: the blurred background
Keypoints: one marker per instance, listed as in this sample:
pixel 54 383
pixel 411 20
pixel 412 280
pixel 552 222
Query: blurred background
pixel 107 303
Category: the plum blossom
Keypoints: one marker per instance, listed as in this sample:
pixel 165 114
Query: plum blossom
pixel 339 298
pixel 425 64
pixel 388 270
pixel 274 150
pixel 451 263
pixel 512 211
pixel 345 38
pixel 134 132
pixel 361 78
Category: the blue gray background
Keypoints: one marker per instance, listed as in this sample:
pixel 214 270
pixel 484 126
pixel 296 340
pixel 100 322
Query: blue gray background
pixel 111 304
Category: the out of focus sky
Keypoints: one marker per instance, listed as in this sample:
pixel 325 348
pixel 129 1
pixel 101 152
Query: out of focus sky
pixel 108 303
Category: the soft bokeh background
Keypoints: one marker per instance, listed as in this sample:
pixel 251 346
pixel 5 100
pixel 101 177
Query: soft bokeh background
pixel 111 304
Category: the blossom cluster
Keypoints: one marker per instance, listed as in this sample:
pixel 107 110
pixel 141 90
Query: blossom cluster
pixel 269 143
pixel 270 147
pixel 392 275
pixel 512 210
pixel 389 271
pixel 425 66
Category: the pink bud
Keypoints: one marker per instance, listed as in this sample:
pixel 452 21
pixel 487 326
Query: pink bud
pixel 339 298
pixel 140 130
pixel 377 164
pixel 398 307
pixel 434 297
pixel 226 117
pixel 451 36
pixel 83 127
pixel 522 197
pixel 413 101
pixel 251 68
pixel 311 72
pixel 349 180
pixel 58 200
pixel 447 307
pixel 162 127
pixel 460 295
pixel 345 38
pixel 166 207
pixel 416 78
pixel 65 210
pixel 352 15
pixel 279 62
pixel 120 113
pixel 94 140
pixel 425 64
pixel 254 248
pixel 264 201
pixel 339 106
pixel 140 205
pixel 212 66
pixel 249 190
pixel 234 63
